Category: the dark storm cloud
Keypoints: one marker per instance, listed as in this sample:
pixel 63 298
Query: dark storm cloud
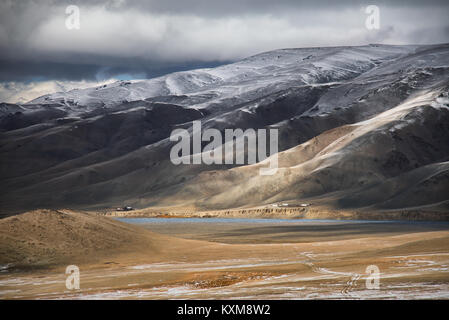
pixel 150 38
pixel 232 7
pixel 26 71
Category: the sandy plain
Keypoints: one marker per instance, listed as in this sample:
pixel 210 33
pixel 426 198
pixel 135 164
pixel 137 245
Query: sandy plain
pixel 220 259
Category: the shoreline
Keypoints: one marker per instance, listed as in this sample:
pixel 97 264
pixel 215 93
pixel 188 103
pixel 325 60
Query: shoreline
pixel 291 213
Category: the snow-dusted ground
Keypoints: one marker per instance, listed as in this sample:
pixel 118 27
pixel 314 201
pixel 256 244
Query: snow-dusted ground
pixel 324 283
pixel 247 79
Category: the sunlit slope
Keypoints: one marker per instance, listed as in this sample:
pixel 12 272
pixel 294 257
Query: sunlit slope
pixel 350 120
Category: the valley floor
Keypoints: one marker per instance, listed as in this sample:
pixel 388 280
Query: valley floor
pixel 254 259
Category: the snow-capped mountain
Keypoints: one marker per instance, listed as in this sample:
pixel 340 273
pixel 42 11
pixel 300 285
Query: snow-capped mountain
pixel 361 127
pixel 268 72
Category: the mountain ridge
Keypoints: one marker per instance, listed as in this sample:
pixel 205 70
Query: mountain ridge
pixel 97 147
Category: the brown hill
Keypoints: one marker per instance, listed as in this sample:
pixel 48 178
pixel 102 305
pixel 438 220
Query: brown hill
pixel 62 237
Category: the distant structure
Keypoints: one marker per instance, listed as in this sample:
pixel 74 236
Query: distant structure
pixel 125 208
pixel 284 204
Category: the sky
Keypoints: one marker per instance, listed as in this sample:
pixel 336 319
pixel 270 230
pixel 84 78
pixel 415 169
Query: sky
pixel 42 49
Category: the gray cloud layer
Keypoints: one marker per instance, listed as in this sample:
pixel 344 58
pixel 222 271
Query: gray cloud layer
pixel 149 38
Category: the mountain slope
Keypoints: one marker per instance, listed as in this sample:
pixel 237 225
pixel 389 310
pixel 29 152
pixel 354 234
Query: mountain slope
pixel 352 121
pixel 349 158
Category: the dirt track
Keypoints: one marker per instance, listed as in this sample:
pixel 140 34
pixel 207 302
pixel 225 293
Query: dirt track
pixel 118 260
